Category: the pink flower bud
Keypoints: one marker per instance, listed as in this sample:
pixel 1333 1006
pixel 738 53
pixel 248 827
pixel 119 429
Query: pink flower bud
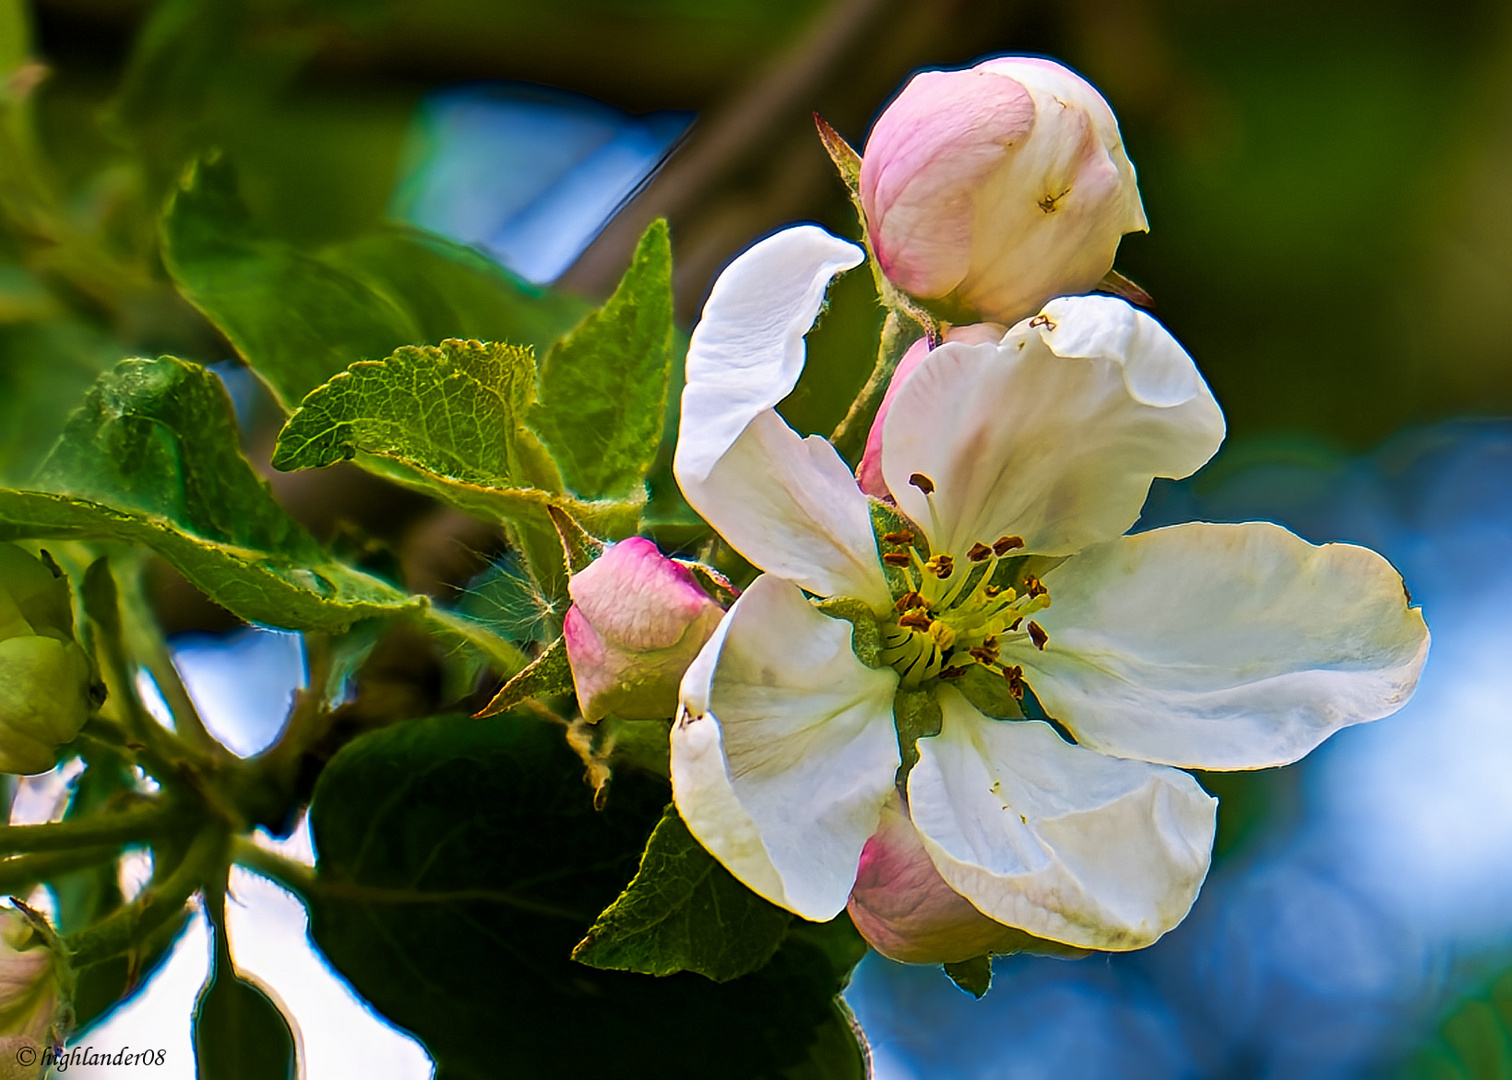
pixel 904 908
pixel 870 472
pixel 997 188
pixel 637 621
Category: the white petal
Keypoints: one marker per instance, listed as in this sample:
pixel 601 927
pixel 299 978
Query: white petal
pixel 785 752
pixel 747 350
pixel 791 506
pixel 1223 646
pixel 1055 839
pixel 1054 434
pixel 787 504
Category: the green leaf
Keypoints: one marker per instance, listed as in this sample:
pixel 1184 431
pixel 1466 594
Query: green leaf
pixel 604 386
pixel 48 368
pixel 300 316
pixel 683 911
pixel 459 864
pixel 549 673
pixel 159 437
pixel 252 585
pixel 1474 1041
pixel 152 459
pixel 453 411
pixel 239 1032
pixel 974 976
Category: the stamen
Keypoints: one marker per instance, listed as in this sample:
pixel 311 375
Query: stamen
pixel 909 600
pixel 902 536
pixel 952 672
pixel 992 592
pixel 922 482
pixel 941 566
pixel 982 654
pixel 1014 625
pixel 978 552
pixel 916 620
pixel 1004 544
pixel 899 559
pixel 1038 636
pixel 1041 320
pixel 1015 677
pixel 1033 586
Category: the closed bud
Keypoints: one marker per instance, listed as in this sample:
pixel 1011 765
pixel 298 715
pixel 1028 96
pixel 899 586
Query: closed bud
pixel 45 678
pixel 907 912
pixel 637 621
pixel 994 189
pixel 29 995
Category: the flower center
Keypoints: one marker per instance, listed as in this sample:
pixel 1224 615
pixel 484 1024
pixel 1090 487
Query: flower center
pixel 957 615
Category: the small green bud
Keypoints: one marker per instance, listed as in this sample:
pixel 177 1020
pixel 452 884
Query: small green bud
pixel 45 678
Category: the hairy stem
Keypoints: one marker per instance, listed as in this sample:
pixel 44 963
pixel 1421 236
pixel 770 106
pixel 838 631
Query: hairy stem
pixel 158 902
pixel 131 825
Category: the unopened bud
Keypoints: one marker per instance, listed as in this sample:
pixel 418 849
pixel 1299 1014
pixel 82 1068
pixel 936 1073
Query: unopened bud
pixel 45 677
pixel 637 621
pixel 906 911
pixel 29 996
pixel 996 188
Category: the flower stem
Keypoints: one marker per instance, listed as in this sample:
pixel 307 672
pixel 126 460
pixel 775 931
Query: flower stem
pixel 131 825
pixel 157 903
pixel 21 872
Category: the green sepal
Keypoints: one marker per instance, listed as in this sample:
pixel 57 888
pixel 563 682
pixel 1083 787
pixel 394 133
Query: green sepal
pixel 579 549
pixel 973 976
pixel 889 520
pixel 916 715
pixel 549 673
pixel 683 911
pixel 988 693
pixel 866 633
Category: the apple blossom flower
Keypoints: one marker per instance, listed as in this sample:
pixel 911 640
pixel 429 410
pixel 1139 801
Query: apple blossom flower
pixel 993 189
pixel 45 677
pixel 869 669
pixel 636 622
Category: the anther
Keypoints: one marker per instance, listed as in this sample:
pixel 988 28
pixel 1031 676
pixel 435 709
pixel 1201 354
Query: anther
pixel 922 482
pixel 1015 677
pixel 902 536
pixel 941 566
pixel 952 672
pixel 915 620
pixel 1033 586
pixel 895 558
pixel 909 600
pixel 982 654
pixel 1014 625
pixel 978 552
pixel 1038 636
pixel 992 592
pixel 1041 320
pixel 1005 544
